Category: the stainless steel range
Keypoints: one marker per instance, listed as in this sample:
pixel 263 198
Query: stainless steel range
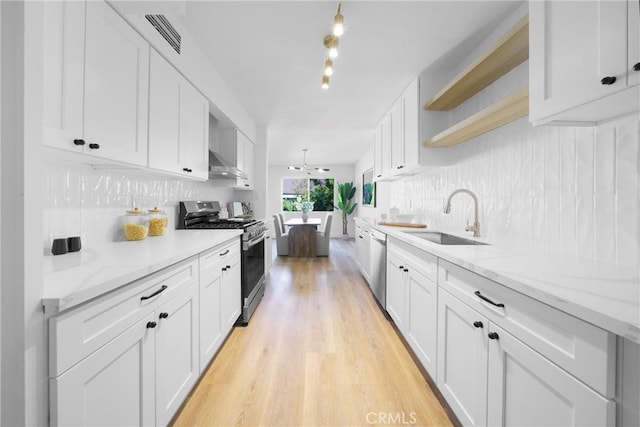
pixel 194 215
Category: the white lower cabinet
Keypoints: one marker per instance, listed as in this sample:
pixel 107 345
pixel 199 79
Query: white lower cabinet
pixel 177 367
pixel 396 289
pixel 220 297
pixel 363 249
pixel 462 359
pixel 524 388
pixel 114 386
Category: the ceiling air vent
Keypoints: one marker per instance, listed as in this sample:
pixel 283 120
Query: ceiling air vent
pixel 166 30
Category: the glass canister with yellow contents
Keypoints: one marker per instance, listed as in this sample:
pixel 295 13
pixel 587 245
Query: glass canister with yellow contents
pixel 135 224
pixel 157 222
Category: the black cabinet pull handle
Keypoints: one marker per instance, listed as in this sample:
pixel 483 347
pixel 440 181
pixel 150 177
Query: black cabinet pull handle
pixel 401 267
pixel 94 146
pixel 158 292
pixel 399 167
pixel 224 253
pixel 378 176
pixel 185 169
pixel 79 141
pixel 151 325
pixel 228 267
pixel 406 270
pixel 483 298
pixel 478 324
pixel 164 315
pixel 224 268
pixel 609 80
pixel 636 67
pixel 247 185
pixel 493 336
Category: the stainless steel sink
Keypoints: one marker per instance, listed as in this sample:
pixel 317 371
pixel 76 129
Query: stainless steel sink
pixel 445 239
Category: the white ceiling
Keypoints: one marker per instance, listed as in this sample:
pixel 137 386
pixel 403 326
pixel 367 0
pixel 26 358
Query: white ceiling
pixel 271 55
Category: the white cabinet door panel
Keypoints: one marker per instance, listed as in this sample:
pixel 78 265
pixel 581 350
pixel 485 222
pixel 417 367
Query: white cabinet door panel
pixel 396 289
pixel 526 389
pixel 116 86
pixel 422 303
pixel 177 350
pixel 164 115
pixel 63 73
pixel 230 293
pixel 634 41
pixel 195 136
pixel 462 359
pixel 114 386
pixel 210 318
pixel 397 137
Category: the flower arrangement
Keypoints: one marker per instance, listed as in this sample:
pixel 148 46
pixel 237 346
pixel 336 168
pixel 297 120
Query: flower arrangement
pixel 304 206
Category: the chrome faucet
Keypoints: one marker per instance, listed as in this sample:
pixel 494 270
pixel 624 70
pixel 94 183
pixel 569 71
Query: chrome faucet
pixel 476 225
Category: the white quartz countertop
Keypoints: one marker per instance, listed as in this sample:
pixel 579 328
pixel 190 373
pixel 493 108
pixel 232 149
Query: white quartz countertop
pixel 604 294
pixel 74 278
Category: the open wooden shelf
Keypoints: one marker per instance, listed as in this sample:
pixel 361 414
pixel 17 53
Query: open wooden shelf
pixel 502 112
pixel 511 50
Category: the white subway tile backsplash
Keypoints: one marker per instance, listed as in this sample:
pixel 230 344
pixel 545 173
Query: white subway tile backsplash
pixel 605 160
pixel 584 161
pixel 627 152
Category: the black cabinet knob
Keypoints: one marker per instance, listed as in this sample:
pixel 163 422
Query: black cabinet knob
pixel 493 336
pixel 79 141
pixel 151 325
pixel 406 270
pixel 478 324
pixel 247 185
pixel 228 267
pixel 609 80
pixel 164 315
pixel 224 268
pixel 94 146
pixel 636 67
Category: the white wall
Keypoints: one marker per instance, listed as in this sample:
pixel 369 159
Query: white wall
pixel 340 173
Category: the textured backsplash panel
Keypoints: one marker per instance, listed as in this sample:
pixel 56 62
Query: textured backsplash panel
pixel 88 202
pixel 561 189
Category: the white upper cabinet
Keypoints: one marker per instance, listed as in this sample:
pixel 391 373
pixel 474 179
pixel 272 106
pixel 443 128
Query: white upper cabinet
pixel 63 76
pixel 238 149
pixel 582 59
pixel 96 82
pixel 398 151
pixel 178 122
pixel 116 85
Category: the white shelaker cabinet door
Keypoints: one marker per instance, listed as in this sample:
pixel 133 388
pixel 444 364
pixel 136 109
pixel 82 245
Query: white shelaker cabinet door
pixel 573 45
pixel 385 132
pixel 397 137
pixel 527 389
pixel 396 290
pixel 411 125
pixel 195 132
pixel 422 303
pixel 230 294
pixel 116 85
pixel 114 386
pixel 63 73
pixel 177 367
pixel 462 359
pixel 249 150
pixel 634 41
pixel 210 317
pixel 164 115
pixel 377 153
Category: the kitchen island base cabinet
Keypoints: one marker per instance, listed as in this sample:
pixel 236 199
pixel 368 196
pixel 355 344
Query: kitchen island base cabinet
pixel 462 359
pixel 113 386
pixel 524 388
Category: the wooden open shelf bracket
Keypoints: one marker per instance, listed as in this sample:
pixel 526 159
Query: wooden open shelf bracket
pixel 502 112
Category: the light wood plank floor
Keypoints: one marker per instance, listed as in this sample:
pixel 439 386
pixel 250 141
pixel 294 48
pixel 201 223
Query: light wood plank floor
pixel 317 352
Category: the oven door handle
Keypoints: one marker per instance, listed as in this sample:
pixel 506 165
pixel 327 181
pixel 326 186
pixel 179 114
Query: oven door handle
pixel 251 243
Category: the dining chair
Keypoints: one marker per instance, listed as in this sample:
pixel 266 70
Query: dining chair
pixel 323 237
pixel 282 239
pixel 282 226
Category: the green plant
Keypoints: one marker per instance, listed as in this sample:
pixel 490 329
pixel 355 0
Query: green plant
pixel 346 192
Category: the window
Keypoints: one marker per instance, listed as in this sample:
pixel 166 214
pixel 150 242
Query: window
pixel 319 191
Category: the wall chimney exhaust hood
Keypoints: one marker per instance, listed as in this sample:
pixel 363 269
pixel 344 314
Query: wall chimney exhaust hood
pixel 220 168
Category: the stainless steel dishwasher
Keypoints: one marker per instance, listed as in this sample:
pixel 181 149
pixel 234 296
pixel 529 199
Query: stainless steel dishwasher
pixel 378 265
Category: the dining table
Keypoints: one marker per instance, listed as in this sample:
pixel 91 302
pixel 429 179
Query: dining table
pixel 302 236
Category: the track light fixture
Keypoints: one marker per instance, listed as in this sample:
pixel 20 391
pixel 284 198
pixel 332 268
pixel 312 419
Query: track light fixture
pixel 338 22
pixel 331 42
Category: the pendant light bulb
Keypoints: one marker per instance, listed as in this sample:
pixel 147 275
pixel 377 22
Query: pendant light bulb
pixel 331 43
pixel 325 82
pixel 338 25
pixel 328 67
